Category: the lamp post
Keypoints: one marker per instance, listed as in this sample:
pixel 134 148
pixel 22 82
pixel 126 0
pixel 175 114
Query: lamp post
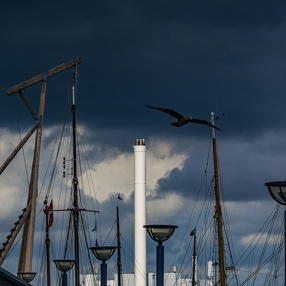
pixel 27 276
pixel 160 233
pixel 278 192
pixel 103 253
pixel 64 266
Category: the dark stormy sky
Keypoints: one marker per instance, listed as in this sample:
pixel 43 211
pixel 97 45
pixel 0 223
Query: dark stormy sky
pixel 192 56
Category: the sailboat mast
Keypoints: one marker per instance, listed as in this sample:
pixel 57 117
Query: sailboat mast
pixel 119 270
pixel 75 191
pixel 47 243
pixel 218 214
pixel 194 277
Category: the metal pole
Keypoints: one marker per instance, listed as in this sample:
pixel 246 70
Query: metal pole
pixel 64 279
pixel 103 274
pixel 160 264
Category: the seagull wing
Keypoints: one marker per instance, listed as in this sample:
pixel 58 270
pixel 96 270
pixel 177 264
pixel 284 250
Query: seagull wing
pixel 168 111
pixel 203 122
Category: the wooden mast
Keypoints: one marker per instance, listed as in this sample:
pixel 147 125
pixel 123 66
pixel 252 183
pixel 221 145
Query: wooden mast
pixel 47 242
pixel 119 266
pixel 218 214
pixel 194 276
pixel 75 192
pixel 28 218
pixel 26 253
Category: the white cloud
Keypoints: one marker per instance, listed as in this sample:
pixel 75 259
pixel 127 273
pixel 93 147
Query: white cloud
pixel 14 182
pixel 257 239
pixel 160 160
pixel 116 174
pixel 165 209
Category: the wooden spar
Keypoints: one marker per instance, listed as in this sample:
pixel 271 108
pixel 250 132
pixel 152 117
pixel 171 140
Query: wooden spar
pixel 18 148
pixel 26 253
pixel 218 214
pixel 27 104
pixel 43 76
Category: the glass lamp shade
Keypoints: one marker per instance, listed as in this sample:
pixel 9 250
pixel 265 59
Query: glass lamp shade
pixel 103 252
pixel 278 191
pixel 160 233
pixel 64 265
pixel 27 276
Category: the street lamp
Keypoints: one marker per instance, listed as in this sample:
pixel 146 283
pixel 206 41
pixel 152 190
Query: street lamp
pixel 64 266
pixel 278 192
pixel 103 253
pixel 160 233
pixel 27 276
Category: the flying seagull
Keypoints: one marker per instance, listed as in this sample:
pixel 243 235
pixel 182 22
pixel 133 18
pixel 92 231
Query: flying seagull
pixel 183 119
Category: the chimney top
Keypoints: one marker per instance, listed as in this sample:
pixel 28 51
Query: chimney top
pixel 140 142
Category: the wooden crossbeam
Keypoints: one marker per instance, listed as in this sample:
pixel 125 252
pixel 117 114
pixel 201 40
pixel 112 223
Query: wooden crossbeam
pixel 43 76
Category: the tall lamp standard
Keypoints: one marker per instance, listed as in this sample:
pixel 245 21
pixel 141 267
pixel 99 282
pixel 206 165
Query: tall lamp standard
pixel 64 266
pixel 160 233
pixel 103 253
pixel 278 192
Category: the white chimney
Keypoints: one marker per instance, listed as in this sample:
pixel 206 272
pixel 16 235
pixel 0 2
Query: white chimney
pixel 140 212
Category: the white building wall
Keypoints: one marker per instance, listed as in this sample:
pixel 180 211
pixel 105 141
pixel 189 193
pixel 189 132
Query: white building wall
pixel 170 279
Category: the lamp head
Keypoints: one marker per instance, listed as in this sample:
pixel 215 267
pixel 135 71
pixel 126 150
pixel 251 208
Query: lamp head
pixel 160 232
pixel 64 265
pixel 103 252
pixel 278 191
pixel 27 276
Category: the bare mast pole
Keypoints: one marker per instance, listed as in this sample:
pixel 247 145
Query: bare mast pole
pixel 47 213
pixel 119 268
pixel 194 277
pixel 75 191
pixel 218 214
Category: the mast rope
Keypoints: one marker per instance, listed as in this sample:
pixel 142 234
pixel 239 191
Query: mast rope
pixel 23 153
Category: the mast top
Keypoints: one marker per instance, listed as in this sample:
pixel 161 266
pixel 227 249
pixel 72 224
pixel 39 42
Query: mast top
pixel 73 95
pixel 213 120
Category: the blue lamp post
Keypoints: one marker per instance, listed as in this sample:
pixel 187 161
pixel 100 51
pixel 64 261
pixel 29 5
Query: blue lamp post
pixel 64 266
pixel 103 253
pixel 160 233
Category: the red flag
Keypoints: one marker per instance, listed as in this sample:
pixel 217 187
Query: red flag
pixel 50 213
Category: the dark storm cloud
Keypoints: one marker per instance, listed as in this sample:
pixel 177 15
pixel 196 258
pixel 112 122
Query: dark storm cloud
pixel 190 56
pixel 244 167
